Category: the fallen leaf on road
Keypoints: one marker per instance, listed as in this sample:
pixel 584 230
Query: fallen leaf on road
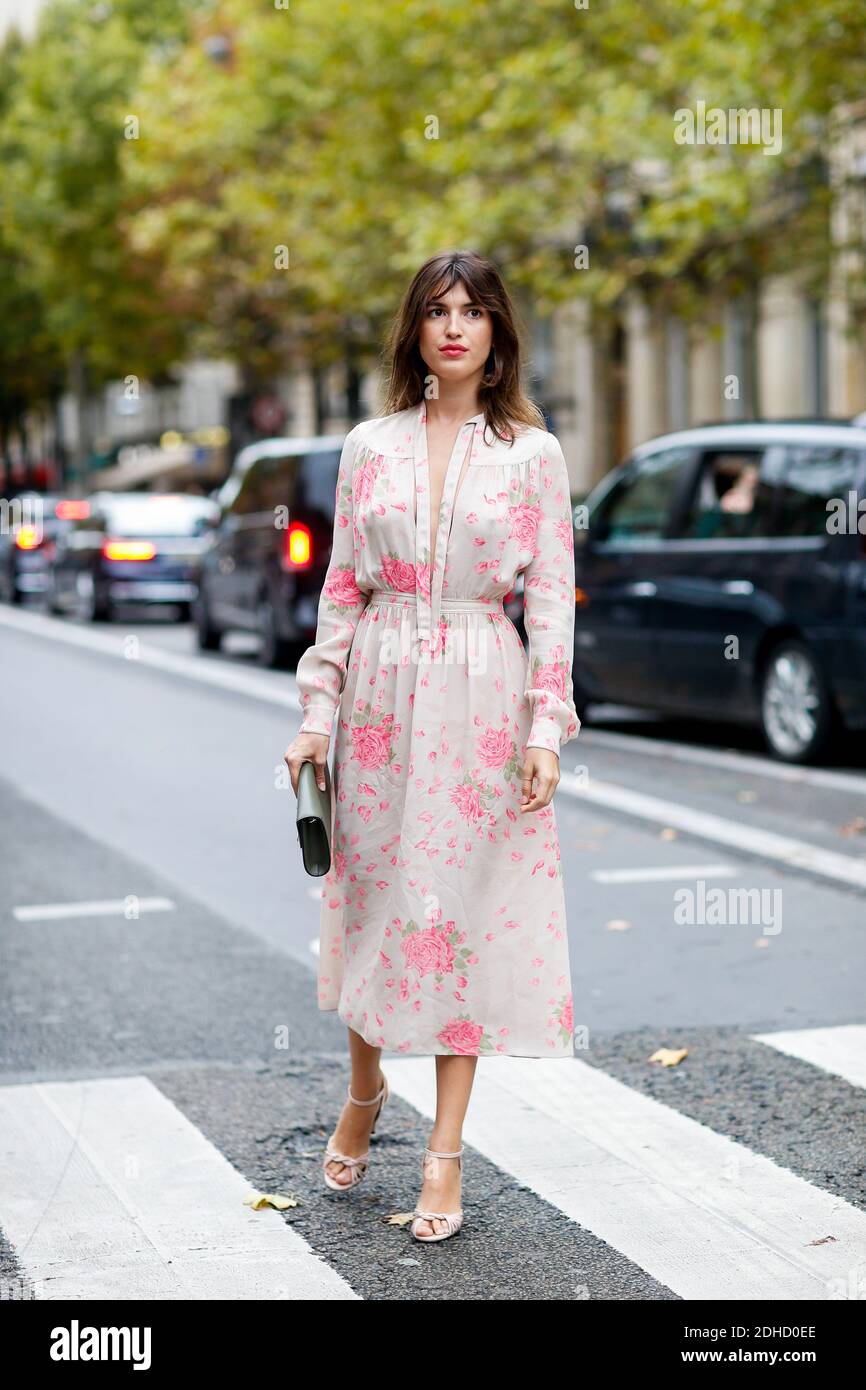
pixel 618 924
pixel 669 1056
pixel 854 827
pixel 399 1218
pixel 823 1240
pixel 257 1200
pixel 668 833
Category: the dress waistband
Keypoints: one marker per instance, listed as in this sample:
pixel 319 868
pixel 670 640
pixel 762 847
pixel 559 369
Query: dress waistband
pixel 411 600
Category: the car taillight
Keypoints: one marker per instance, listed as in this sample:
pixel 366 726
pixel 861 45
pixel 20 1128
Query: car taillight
pixel 298 553
pixel 72 509
pixel 129 550
pixel 28 538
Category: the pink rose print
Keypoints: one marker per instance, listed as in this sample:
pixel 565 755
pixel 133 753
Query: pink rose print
pixel 397 574
pixel 494 747
pixel 566 1018
pixel 422 580
pixel 364 479
pixel 371 741
pixel 462 1037
pixel 524 521
pixel 428 950
pixel 553 678
pixel 439 951
pixel 469 798
pixel 341 589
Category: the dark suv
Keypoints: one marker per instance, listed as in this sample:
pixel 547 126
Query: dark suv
pixel 264 569
pixel 721 574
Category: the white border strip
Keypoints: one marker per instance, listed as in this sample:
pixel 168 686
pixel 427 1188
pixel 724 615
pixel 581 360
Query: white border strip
pixel 108 907
pixel 725 758
pixel 840 1050
pixel 109 1192
pixel 705 1216
pixel 750 839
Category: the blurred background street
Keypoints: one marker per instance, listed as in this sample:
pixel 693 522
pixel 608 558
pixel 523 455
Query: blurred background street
pixel 208 214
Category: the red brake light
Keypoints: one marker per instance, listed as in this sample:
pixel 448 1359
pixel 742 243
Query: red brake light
pixel 299 546
pixel 72 509
pixel 27 538
pixel 129 550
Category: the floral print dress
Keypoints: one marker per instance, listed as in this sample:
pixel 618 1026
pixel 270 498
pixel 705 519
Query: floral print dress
pixel 443 924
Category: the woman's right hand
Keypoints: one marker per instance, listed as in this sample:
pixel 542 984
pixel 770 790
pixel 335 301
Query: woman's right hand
pixel 307 748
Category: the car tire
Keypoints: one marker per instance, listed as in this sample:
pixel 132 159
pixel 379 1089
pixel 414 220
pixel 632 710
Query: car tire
pixel 274 651
pixel 798 717
pixel 208 638
pixel 93 607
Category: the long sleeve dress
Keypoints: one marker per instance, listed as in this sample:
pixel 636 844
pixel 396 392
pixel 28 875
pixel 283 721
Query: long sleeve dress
pixel 443 926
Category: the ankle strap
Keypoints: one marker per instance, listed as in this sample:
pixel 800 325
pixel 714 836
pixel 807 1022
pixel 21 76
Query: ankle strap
pixel 366 1102
pixel 438 1153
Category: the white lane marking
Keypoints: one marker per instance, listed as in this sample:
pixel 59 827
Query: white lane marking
pixel 677 872
pixel 751 838
pixel 215 673
pixel 107 907
pixel 825 863
pixel 728 759
pixel 704 1215
pixel 110 1192
pixel 841 1050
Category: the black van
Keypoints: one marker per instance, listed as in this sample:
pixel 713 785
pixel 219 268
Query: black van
pixel 721 574
pixel 265 567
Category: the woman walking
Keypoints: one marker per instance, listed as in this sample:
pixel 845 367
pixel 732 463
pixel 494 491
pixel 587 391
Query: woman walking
pixel 443 926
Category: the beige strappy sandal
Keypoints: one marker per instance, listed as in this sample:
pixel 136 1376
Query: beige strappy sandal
pixel 357 1165
pixel 454 1219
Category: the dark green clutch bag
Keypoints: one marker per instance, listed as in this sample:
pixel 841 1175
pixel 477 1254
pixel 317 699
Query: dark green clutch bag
pixel 314 820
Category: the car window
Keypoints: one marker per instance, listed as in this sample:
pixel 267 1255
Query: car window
pixel 807 478
pixel 277 481
pixel 155 518
pixel 733 497
pixel 639 507
pixel 248 497
pixel 320 478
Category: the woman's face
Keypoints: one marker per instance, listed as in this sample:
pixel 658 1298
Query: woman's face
pixel 451 322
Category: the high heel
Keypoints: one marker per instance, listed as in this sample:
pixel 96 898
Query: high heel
pixel 357 1165
pixel 454 1219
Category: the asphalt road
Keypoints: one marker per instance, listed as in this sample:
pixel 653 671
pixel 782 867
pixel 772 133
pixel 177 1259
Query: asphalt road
pixel 178 1030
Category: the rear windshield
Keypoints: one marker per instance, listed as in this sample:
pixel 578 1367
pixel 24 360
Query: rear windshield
pixel 157 518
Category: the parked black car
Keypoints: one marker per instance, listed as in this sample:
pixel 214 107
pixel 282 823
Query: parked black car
pixel 33 522
pixel 264 569
pixel 140 548
pixel 721 574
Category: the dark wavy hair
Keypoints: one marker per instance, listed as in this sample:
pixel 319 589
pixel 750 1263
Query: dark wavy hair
pixel 501 393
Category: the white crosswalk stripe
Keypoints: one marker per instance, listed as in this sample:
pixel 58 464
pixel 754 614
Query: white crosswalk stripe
pixel 701 1213
pixel 110 1192
pixel 840 1050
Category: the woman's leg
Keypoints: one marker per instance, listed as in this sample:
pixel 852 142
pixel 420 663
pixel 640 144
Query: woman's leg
pixel 442 1186
pixel 352 1135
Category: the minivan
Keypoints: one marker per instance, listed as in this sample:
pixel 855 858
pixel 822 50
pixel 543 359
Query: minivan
pixel 720 573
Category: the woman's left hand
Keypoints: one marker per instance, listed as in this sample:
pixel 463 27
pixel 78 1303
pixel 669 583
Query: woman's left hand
pixel 542 765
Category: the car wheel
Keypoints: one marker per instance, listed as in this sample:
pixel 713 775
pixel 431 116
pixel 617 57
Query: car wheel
pixel 274 651
pixel 92 606
pixel 208 637
pixel 797 712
